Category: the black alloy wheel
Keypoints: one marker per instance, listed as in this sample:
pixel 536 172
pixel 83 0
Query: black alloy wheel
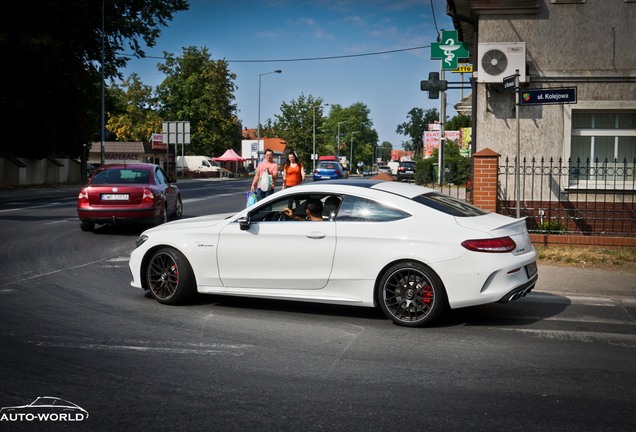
pixel 411 294
pixel 169 277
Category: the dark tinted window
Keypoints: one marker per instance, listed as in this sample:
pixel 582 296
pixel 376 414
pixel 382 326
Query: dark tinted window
pixel 449 205
pixel 328 165
pixel 365 210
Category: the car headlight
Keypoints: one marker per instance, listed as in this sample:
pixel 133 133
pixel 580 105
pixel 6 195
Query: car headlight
pixel 141 240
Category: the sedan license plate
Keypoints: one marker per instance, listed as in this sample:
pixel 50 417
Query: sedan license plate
pixel 531 269
pixel 325 177
pixel 114 197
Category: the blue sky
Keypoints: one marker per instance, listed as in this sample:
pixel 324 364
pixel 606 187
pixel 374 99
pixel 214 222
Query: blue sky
pixel 249 33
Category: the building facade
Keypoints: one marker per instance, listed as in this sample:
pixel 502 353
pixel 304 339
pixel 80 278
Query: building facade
pixel 585 45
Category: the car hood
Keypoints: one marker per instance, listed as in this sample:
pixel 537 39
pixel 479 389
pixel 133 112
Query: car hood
pixel 196 222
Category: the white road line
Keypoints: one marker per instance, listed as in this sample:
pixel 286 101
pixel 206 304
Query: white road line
pixel 623 340
pixel 211 349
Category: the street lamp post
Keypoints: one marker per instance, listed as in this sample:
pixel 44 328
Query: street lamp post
pixel 313 155
pixel 339 123
pixel 258 136
pixel 351 160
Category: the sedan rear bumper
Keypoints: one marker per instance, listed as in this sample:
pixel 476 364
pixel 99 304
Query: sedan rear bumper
pixel 520 291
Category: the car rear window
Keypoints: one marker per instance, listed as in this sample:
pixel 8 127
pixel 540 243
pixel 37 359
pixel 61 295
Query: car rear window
pixel 327 165
pixel 449 205
pixel 123 175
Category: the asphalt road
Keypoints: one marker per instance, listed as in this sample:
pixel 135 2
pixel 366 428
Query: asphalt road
pixel 73 328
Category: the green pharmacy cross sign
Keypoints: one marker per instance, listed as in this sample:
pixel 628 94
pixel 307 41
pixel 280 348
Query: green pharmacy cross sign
pixel 449 50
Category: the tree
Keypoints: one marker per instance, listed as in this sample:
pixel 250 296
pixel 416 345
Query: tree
pixel 295 125
pixel 51 57
pixel 138 118
pixel 417 124
pixel 384 151
pixel 458 122
pixel 354 118
pixel 201 91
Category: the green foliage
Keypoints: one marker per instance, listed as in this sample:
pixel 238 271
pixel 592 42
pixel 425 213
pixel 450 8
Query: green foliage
pixel 552 226
pixel 51 60
pixel 458 168
pixel 137 117
pixel 354 118
pixel 458 122
pixel 295 125
pixel 384 151
pixel 414 127
pixel 201 91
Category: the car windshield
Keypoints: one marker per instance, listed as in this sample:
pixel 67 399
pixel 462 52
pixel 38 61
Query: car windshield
pixel 449 205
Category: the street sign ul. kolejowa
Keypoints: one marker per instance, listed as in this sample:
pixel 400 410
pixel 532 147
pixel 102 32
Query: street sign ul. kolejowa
pixel 565 95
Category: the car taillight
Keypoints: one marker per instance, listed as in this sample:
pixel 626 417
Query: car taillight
pixel 494 245
pixel 82 198
pixel 148 197
pixel 336 172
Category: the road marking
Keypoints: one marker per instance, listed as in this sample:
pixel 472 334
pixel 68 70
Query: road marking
pixel 203 349
pixel 623 340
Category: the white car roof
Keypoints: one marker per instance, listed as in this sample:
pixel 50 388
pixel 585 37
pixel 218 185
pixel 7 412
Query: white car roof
pixel 407 190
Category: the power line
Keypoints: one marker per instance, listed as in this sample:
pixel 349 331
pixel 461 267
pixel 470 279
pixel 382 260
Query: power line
pixel 434 20
pixel 305 58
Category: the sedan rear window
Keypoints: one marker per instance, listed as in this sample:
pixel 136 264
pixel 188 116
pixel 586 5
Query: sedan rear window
pixel 449 205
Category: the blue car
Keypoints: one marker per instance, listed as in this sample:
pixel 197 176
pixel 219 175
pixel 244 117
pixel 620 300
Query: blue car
pixel 328 170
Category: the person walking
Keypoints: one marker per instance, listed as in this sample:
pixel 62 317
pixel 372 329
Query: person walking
pixel 265 177
pixel 293 171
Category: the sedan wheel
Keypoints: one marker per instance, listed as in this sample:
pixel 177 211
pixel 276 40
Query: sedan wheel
pixel 411 294
pixel 163 217
pixel 178 212
pixel 169 277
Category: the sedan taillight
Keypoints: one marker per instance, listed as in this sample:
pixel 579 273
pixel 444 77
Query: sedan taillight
pixel 82 198
pixel 148 197
pixel 494 245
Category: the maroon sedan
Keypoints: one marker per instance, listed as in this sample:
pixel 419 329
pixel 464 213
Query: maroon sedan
pixel 128 193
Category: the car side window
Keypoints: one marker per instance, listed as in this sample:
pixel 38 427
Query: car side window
pixel 357 209
pixel 274 211
pixel 160 177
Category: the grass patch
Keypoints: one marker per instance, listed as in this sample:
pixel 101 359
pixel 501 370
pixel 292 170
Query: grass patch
pixel 588 257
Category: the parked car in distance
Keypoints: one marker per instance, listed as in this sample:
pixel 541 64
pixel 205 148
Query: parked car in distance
pixel 384 169
pixel 430 251
pixel 329 170
pixel 406 171
pixel 128 193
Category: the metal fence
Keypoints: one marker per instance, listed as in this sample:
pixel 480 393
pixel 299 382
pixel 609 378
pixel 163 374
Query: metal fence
pixel 556 197
pixel 590 198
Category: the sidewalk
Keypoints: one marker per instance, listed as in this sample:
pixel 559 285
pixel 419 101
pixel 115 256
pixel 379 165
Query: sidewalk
pixel 586 282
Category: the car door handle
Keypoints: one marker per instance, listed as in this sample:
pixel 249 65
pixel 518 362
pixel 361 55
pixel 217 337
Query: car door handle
pixel 315 235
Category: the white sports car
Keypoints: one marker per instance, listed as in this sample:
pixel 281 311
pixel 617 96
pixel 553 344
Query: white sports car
pixel 408 249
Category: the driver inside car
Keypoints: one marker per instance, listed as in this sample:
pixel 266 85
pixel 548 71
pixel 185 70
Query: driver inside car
pixel 313 211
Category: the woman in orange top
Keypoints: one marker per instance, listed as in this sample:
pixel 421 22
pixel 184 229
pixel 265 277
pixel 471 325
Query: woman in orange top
pixel 293 171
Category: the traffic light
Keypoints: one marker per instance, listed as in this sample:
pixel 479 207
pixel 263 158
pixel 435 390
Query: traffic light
pixel 433 86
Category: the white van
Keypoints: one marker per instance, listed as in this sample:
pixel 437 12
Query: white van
pixel 394 166
pixel 197 164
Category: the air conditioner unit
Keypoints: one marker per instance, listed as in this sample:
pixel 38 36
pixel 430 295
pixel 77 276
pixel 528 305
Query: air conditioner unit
pixel 500 60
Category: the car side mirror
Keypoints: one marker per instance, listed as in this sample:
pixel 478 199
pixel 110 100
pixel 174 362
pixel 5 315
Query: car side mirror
pixel 244 223
pixel 172 180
